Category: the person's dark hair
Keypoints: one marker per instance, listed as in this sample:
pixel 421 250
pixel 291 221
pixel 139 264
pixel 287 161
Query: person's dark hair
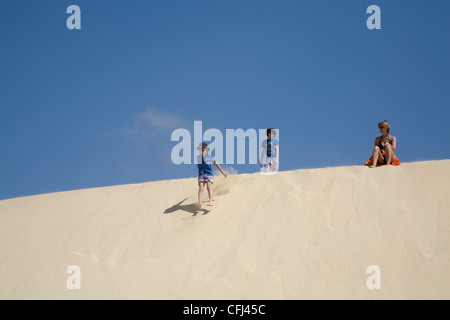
pixel 268 131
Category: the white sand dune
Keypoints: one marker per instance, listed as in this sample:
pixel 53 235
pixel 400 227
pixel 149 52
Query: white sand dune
pixel 303 234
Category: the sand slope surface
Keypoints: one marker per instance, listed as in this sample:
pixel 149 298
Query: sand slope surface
pixel 330 233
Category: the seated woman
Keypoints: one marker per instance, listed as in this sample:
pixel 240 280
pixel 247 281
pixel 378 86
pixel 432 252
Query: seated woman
pixel 385 145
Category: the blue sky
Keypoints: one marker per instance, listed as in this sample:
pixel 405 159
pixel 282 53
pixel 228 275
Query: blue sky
pixel 96 106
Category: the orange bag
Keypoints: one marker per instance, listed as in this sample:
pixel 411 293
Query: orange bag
pixel 394 160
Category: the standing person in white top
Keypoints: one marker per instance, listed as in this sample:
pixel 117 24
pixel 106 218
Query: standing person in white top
pixel 270 152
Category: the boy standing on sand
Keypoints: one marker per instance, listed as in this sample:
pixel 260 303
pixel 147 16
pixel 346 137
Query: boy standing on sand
pixel 205 173
pixel 271 151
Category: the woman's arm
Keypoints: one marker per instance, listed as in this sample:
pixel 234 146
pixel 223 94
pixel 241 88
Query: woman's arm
pixel 377 141
pixel 394 143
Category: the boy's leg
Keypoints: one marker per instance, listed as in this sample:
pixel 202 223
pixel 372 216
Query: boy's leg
pixel 275 165
pixel 201 186
pixel 271 165
pixel 210 193
pixel 267 165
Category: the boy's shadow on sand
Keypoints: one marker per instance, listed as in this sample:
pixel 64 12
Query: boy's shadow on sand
pixel 191 208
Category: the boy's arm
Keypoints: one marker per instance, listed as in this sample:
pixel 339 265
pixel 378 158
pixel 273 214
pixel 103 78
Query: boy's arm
pixel 262 156
pixel 220 169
